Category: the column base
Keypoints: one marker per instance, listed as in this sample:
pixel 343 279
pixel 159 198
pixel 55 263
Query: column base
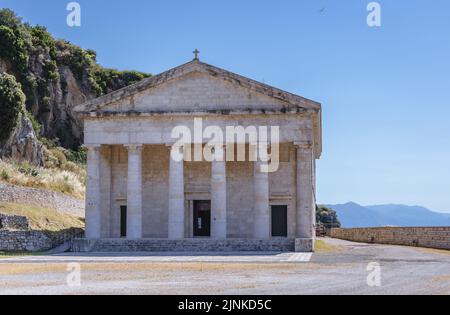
pixel 304 245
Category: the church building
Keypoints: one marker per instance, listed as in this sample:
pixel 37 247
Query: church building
pixel 139 198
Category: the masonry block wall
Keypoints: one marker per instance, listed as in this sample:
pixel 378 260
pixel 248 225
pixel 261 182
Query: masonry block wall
pixel 13 223
pixel 431 237
pixel 197 177
pixel 35 241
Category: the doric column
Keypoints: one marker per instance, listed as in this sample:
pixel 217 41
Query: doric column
pixel 93 196
pixel 261 203
pixel 105 190
pixel 305 194
pixel 176 197
pixel 134 192
pixel 219 196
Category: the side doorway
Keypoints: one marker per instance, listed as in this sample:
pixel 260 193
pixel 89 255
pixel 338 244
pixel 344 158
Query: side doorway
pixel 123 221
pixel 202 218
pixel 279 221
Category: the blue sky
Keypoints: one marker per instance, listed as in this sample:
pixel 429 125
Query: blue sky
pixel 385 91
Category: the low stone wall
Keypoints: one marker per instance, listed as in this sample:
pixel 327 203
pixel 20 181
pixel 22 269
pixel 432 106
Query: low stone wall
pixel 185 245
pixel 42 198
pixel 13 223
pixel 431 237
pixel 35 241
pixel 22 241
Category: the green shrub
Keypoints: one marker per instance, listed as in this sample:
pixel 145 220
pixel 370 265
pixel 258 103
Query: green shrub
pixel 10 19
pixel 79 61
pixel 327 217
pixel 109 80
pixel 12 104
pixel 36 125
pixel 13 48
pixel 41 37
pixel 77 156
pixel 50 70
pixel 28 170
pixel 45 104
pixel 59 155
pixel 5 175
pixel 49 143
pixel 50 160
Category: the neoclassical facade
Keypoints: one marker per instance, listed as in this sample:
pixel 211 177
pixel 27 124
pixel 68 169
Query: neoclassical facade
pixel 137 193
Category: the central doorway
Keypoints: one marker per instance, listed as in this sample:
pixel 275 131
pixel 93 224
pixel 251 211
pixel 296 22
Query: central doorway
pixel 202 218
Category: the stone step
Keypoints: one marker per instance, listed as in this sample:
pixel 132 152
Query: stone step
pixel 184 245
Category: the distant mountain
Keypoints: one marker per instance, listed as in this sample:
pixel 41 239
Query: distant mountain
pixel 354 215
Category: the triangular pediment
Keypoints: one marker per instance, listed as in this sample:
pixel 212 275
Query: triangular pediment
pixel 198 87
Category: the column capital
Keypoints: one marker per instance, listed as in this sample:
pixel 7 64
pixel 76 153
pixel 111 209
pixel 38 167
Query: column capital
pixel 134 147
pixel 303 144
pixel 179 156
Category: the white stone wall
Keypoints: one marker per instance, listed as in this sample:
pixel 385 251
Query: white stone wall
pixel 155 187
pixel 239 183
pixel 240 199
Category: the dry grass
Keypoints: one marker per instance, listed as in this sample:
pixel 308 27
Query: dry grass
pixel 69 180
pixel 324 247
pixel 42 219
pixel 443 252
pixel 442 278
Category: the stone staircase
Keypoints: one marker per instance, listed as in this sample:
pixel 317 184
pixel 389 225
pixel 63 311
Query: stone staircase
pixel 184 245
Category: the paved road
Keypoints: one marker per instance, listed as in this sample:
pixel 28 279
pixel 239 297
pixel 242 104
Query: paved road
pixel 161 257
pixel 340 268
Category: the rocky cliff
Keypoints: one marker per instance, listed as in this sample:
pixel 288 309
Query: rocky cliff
pixel 23 144
pixel 55 76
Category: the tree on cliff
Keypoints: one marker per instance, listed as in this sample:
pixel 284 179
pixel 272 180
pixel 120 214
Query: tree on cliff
pixel 12 104
pixel 327 217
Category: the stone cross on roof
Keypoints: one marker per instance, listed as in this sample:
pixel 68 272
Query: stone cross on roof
pixel 196 52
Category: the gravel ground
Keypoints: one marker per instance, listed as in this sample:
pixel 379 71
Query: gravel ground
pixel 340 267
